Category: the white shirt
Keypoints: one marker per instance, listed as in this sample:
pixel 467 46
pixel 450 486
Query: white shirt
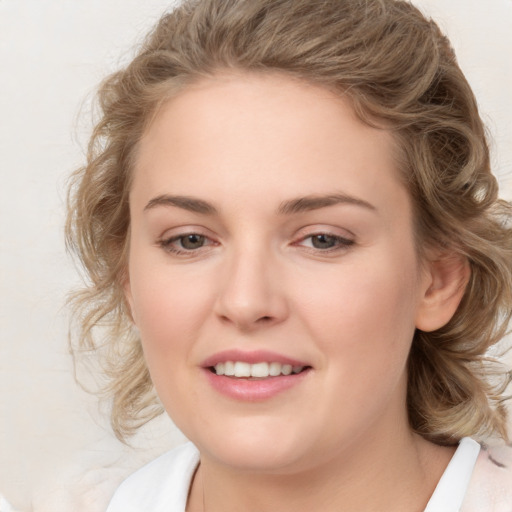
pixel 453 484
pixel 163 484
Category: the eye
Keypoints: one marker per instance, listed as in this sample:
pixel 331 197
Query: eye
pixel 186 243
pixel 191 242
pixel 325 242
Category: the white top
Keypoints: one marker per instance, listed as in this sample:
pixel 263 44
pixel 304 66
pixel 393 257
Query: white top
pixel 453 484
pixel 160 486
pixel 4 505
pixel 163 484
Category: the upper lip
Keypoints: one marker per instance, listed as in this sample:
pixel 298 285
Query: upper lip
pixel 252 357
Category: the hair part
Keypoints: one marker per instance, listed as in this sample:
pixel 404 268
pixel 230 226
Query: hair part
pixel 399 72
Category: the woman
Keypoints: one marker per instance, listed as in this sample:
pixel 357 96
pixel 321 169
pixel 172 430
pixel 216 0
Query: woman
pixel 294 237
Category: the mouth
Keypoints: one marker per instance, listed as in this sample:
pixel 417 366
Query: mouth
pixel 255 371
pixel 254 376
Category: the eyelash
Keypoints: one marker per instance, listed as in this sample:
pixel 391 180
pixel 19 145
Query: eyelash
pixel 167 244
pixel 340 243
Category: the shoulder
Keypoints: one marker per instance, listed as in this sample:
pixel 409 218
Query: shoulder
pixel 491 483
pixel 163 484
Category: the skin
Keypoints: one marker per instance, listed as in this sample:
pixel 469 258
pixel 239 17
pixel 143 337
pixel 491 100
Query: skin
pixel 340 439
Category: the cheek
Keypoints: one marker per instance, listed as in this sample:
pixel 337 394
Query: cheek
pixel 168 308
pixel 169 312
pixel 364 316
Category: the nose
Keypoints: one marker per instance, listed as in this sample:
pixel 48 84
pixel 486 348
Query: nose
pixel 251 295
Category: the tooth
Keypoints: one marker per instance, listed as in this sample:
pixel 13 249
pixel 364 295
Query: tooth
pixel 274 369
pixel 242 369
pixel 259 370
pixel 286 369
pixel 229 368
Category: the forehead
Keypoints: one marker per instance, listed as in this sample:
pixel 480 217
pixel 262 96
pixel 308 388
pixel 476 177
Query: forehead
pixel 248 135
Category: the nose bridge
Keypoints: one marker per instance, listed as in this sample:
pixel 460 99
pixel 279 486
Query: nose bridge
pixel 250 293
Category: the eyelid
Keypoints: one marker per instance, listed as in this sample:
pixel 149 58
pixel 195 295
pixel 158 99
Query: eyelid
pixel 320 229
pixel 345 241
pixel 184 230
pixel 166 240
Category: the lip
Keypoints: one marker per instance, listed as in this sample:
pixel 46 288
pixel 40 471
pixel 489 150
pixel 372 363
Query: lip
pixel 252 357
pixel 250 389
pixel 254 390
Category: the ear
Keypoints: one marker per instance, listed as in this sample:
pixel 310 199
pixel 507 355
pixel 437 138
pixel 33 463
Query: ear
pixel 447 275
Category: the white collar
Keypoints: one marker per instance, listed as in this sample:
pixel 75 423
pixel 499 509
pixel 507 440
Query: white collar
pixel 453 485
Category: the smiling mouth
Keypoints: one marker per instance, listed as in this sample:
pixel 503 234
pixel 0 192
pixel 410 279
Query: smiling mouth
pixel 264 370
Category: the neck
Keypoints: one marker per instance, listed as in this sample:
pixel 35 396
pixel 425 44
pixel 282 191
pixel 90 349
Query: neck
pixel 362 477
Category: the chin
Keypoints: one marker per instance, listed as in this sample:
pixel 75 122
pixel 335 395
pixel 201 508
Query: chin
pixel 254 447
pixel 255 459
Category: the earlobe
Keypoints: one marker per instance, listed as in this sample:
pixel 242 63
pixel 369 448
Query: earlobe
pixel 447 277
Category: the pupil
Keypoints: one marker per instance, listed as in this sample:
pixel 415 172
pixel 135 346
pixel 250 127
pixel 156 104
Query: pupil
pixel 192 241
pixel 323 241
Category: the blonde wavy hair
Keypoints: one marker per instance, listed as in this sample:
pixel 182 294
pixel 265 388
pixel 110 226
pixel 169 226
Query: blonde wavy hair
pixel 399 72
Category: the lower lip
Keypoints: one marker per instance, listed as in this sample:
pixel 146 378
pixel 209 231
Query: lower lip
pixel 256 390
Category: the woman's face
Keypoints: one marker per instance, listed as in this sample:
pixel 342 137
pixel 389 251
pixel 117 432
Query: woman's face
pixel 270 233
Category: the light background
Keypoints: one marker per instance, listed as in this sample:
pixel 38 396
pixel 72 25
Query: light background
pixel 56 450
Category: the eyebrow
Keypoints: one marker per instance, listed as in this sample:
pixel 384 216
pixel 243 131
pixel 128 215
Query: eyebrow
pixel 289 207
pixel 191 204
pixel 315 202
